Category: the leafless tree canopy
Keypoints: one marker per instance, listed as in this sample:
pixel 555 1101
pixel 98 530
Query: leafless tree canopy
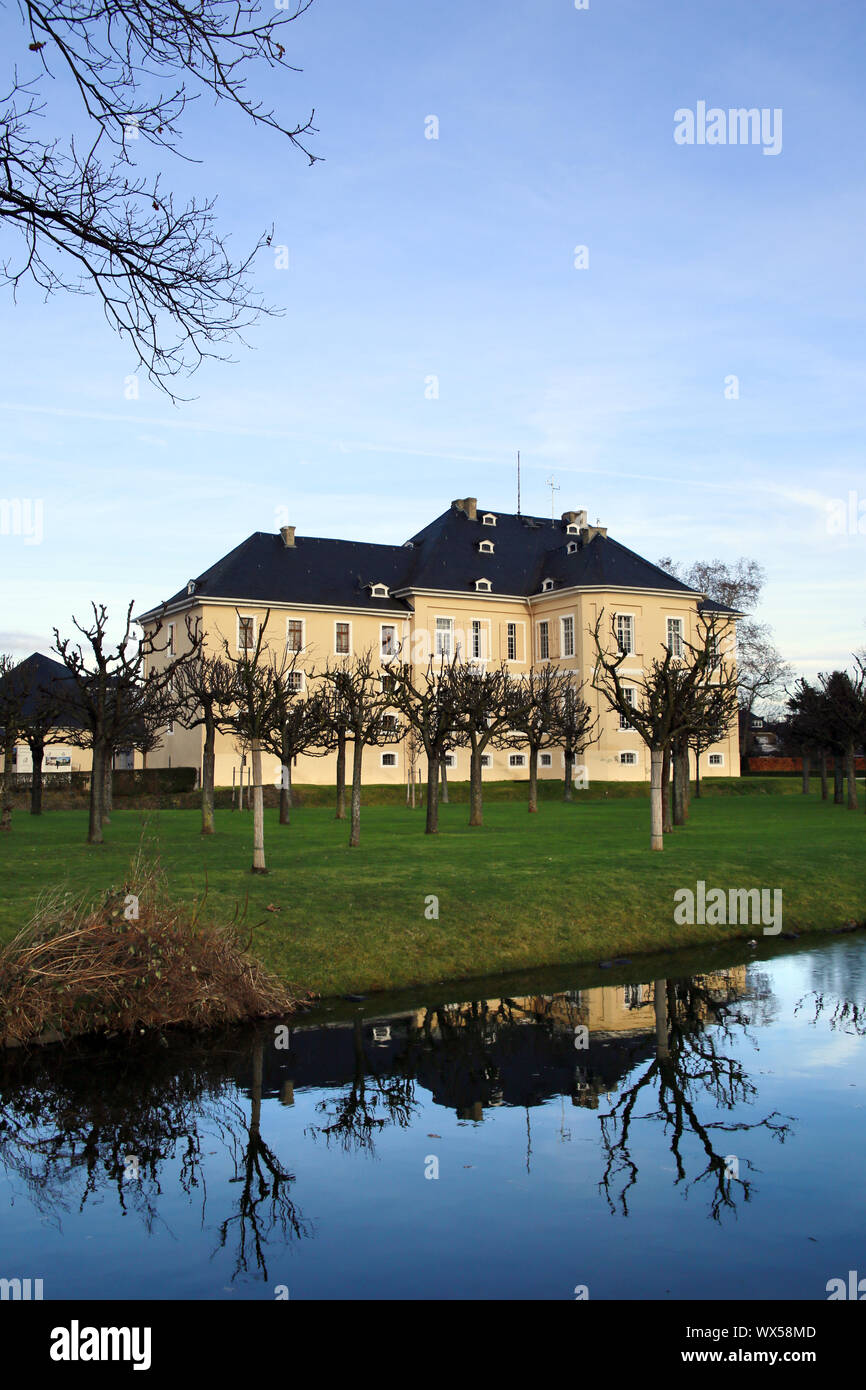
pixel 78 216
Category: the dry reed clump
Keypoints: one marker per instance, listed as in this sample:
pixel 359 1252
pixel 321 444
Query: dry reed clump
pixel 134 961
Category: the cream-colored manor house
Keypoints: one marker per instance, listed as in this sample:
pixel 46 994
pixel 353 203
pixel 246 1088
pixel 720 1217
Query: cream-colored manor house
pixel 491 586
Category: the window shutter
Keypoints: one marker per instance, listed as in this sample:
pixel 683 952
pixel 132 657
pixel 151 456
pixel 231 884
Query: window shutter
pixel 553 629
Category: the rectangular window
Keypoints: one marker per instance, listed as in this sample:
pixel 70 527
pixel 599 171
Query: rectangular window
pixel 388 639
pixel 486 760
pixel 512 641
pixel 675 636
pixel 295 634
pixel 389 723
pixel 516 759
pixel 389 759
pixel 630 758
pixel 171 649
pixel 246 634
pixel 567 636
pixel 543 642
pixel 450 759
pixel 625 633
pixel 445 637
pixel 716 760
pixel 295 680
pixel 476 640
pixel 342 638
pixel 545 760
pixel 628 692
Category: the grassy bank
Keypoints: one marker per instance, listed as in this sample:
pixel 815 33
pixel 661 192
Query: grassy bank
pixel 571 884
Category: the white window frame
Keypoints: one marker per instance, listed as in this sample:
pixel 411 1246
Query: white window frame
pixel 170 649
pixel 302 683
pixel 392 728
pixel 508 641
pixel 624 726
pixel 546 586
pixel 439 651
pixel 628 758
pixel 630 650
pixel 548 762
pixel 449 759
pixel 719 760
pixel 488 519
pixel 517 760
pixel 486 760
pixel 486 547
pixel 483 586
pixel 544 630
pixel 383 655
pixel 682 635
pixel 572 548
pixel 291 618
pixel 342 622
pixel 389 753
pixel 476 629
pixel 566 618
pixel 379 591
pixel 251 617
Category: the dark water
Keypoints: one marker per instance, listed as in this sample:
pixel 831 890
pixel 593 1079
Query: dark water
pixel 707 1142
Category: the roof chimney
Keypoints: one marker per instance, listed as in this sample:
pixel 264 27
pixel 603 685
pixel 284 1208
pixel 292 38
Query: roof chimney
pixel 574 518
pixel 469 505
pixel 288 535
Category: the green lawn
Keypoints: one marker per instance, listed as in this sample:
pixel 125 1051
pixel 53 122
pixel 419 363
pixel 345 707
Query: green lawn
pixel 570 884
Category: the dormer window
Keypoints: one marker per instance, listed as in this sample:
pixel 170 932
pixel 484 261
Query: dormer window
pixel 546 586
pixel 483 586
pixel 488 519
pixel 486 547
pixel 572 529
pixel 190 588
pixel 571 547
pixel 379 590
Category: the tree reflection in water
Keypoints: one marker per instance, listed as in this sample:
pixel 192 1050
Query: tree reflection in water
pixel 76 1124
pixel 689 1061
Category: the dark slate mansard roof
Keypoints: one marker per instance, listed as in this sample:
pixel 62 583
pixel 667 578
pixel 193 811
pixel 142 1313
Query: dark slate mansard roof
pixel 443 556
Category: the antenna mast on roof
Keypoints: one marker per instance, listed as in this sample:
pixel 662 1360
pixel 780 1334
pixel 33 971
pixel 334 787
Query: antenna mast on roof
pixel 554 488
pixel 518 482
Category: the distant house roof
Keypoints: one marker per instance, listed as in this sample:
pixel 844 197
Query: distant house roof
pixel 41 675
pixel 443 556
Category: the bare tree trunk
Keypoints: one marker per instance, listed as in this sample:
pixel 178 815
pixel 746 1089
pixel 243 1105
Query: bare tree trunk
pixel 444 766
pixel 698 791
pixel 567 792
pixel 806 770
pixel 340 813
pixel 533 779
pixel 667 824
pixel 94 828
pixel 838 794
pixel 6 812
pixel 208 773
pixel 285 790
pixel 851 774
pixel 37 755
pixel 107 786
pixel 432 826
pixel 657 839
pixel 258 866
pixel 357 760
pixel 822 765
pixel 476 804
pixel 681 775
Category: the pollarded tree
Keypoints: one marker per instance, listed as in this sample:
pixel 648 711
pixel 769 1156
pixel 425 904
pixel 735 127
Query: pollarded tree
pixel 298 727
pixel 536 714
pixel 203 690
pixel 337 710
pixel 428 701
pixel 485 701
pixel 360 690
pixel 577 730
pixel 13 695
pixel 670 698
pixel 112 690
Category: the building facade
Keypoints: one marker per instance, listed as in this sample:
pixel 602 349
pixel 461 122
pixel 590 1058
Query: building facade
pixel 490 586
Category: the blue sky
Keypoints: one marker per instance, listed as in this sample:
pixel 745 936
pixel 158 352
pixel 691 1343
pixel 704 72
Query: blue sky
pixel 411 258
